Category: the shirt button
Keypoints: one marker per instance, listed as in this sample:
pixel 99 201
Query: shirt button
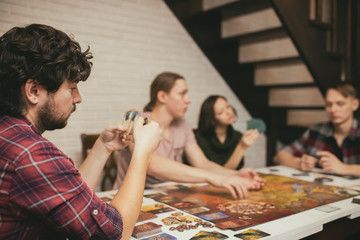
pixel 95 212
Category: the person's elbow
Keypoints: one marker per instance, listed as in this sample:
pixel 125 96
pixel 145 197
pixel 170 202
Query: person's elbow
pixel 157 165
pixel 152 169
pixel 277 159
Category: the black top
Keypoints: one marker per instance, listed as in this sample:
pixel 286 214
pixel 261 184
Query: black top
pixel 216 151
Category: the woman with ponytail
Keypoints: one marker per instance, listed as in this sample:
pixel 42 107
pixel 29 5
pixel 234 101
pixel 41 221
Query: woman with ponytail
pixel 168 104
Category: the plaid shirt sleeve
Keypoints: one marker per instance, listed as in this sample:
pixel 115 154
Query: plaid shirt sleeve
pixel 298 147
pixel 47 185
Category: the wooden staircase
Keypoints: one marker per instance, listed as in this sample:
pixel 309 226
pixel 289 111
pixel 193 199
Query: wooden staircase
pixel 276 55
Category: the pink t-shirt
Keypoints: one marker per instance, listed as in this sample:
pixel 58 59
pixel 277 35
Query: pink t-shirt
pixel 180 136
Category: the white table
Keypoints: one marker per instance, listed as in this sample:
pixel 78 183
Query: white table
pixel 295 226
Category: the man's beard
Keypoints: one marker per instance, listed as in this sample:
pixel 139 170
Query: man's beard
pixel 49 119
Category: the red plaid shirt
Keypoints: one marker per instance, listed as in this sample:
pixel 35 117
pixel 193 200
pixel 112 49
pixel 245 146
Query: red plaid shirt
pixel 42 195
pixel 320 138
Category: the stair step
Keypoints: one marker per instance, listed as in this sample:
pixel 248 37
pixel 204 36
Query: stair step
pixel 252 22
pixel 210 4
pixel 296 97
pixel 283 72
pixel 266 48
pixel 306 118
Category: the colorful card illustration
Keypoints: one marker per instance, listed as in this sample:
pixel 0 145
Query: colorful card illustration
pixel 233 224
pixel 182 205
pixel 251 234
pixel 213 216
pixel 219 235
pixel 146 229
pixel 162 236
pixel 167 199
pixel 196 210
pixel 209 235
pixel 155 195
pixel 161 197
pixel 156 208
pixel 145 216
pixel 170 221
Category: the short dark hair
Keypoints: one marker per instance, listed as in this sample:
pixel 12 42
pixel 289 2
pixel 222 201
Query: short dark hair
pixel 346 89
pixel 41 53
pixel 207 122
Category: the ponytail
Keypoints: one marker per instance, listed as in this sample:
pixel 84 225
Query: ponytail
pixel 149 107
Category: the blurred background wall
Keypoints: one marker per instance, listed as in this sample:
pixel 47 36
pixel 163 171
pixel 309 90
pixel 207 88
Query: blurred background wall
pixel 132 41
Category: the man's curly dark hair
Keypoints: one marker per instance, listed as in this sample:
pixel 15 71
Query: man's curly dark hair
pixel 41 53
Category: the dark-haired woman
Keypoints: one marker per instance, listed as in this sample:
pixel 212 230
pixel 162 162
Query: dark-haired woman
pixel 219 141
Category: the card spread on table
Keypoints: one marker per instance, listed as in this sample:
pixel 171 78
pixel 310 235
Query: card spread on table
pixel 145 216
pixel 327 208
pixel 182 205
pixel 161 236
pixel 356 200
pixel 232 224
pixel 259 207
pixel 156 208
pixel 214 235
pixel 251 234
pixel 347 191
pixel 146 229
pixel 273 170
pixel 323 179
pixel 212 216
pixel 299 174
pixel 154 195
pixel 197 210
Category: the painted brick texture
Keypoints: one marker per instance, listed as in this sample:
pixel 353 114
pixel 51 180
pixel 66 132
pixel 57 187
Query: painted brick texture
pixel 132 41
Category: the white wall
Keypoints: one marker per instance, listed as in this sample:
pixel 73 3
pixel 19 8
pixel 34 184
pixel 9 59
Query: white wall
pixel 132 41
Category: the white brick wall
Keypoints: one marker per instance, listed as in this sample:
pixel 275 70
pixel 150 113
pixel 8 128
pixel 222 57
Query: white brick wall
pixel 132 41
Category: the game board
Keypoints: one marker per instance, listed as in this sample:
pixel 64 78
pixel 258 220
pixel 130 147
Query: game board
pixel 280 197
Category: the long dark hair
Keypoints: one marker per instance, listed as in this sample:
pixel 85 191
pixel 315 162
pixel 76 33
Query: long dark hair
pixel 207 122
pixel 162 82
pixel 41 53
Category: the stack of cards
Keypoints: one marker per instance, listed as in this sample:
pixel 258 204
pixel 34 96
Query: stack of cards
pixel 146 229
pixel 209 235
pixel 256 123
pixel 129 119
